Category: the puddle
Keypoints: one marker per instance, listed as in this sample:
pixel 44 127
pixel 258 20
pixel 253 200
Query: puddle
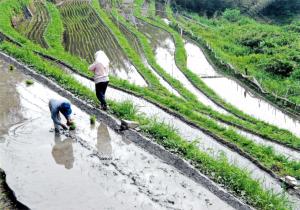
pixel 94 36
pixel 55 172
pixel 206 143
pixel 164 49
pixel 237 95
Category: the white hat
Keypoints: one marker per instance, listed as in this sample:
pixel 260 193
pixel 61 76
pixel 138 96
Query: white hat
pixel 101 57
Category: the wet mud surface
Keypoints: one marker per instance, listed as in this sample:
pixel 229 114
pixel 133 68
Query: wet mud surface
pixel 47 171
pixel 237 95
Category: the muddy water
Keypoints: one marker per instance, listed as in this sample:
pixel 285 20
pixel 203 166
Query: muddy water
pixel 164 49
pixel 9 108
pixel 85 34
pixel 234 93
pixel 48 171
pixel 206 143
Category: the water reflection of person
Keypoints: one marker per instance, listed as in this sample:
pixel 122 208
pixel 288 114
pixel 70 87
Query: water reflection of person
pixel 103 144
pixel 62 151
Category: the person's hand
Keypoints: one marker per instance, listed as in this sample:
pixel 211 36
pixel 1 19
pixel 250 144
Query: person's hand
pixel 64 127
pixel 69 122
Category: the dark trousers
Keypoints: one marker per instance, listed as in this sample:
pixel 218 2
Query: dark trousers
pixel 100 92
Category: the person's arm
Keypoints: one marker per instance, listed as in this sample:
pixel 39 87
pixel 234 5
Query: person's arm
pixel 92 67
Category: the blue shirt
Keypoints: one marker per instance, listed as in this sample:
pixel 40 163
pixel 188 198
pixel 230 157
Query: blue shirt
pixel 54 106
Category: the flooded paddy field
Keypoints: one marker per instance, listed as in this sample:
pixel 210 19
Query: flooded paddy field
pixel 48 171
pixel 236 94
pixel 138 48
pixel 164 49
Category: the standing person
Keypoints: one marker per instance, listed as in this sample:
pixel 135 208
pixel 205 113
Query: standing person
pixel 62 106
pixel 100 68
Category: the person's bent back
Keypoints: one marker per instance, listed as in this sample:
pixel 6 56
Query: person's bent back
pixel 62 106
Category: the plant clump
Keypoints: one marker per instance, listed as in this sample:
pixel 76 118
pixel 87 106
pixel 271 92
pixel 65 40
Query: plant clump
pixel 29 82
pixel 11 67
pixel 72 126
pixel 92 119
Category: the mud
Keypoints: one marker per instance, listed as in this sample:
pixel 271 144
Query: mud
pixel 237 95
pixel 47 171
pixel 164 48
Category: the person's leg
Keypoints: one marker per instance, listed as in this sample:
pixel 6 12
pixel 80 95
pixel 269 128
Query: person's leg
pixel 56 127
pixel 99 93
pixel 103 91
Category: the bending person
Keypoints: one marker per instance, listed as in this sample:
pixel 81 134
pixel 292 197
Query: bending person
pixel 100 68
pixel 62 106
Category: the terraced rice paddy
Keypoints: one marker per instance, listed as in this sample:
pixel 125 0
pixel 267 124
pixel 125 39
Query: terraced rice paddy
pixel 213 136
pixel 35 26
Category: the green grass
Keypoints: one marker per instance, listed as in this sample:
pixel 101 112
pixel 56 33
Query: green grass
pixel 54 30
